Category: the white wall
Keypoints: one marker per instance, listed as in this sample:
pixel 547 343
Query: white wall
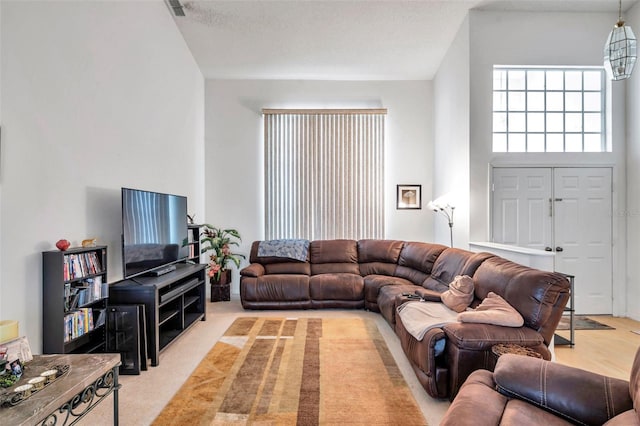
pixel 511 38
pixel 632 212
pixel 95 95
pixel 233 129
pixel 451 124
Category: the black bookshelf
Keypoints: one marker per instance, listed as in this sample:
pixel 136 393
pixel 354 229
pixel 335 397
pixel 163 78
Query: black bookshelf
pixel 194 243
pixel 74 300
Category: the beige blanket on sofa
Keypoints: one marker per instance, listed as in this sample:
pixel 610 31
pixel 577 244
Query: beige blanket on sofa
pixel 420 317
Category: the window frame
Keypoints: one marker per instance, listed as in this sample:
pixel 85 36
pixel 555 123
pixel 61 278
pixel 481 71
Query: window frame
pixel 507 116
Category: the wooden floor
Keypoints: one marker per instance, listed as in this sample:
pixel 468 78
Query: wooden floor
pixel 609 352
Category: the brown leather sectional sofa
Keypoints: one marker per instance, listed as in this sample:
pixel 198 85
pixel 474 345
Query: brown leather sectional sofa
pixel 376 275
pixel 528 391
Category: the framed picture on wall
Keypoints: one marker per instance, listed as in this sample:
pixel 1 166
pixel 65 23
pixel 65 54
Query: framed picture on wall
pixel 409 197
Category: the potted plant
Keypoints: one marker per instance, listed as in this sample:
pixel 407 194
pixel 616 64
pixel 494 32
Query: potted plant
pixel 219 241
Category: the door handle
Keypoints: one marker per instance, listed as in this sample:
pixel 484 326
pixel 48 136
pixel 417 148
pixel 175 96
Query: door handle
pixel 548 249
pixel 559 249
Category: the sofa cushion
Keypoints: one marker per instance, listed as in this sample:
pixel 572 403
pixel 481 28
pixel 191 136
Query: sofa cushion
pixel 334 256
pixel 577 395
pixel 287 248
pixel 460 293
pixel 387 251
pixel 297 268
pixel 532 292
pixel 493 310
pixel 264 260
pixel 478 403
pixel 450 263
pixel 416 260
pixel 333 251
pixel 373 284
pixel 270 288
pixel 420 317
pixel 378 256
pixel 388 298
pixel 339 286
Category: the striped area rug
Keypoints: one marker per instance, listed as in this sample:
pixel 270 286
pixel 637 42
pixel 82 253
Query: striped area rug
pixel 288 371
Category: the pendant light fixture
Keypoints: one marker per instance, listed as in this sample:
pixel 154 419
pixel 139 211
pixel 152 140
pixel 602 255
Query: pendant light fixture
pixel 620 50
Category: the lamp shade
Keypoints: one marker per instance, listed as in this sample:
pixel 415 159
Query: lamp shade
pixel 620 52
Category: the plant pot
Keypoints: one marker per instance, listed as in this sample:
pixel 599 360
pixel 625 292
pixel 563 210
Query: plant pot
pixel 221 289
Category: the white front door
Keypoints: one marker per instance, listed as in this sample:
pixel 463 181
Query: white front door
pixel 521 207
pixel 582 234
pixel 567 210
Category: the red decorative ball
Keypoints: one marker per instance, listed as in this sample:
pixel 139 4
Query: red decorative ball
pixel 63 245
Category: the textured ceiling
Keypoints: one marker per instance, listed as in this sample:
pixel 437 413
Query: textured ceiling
pixel 338 39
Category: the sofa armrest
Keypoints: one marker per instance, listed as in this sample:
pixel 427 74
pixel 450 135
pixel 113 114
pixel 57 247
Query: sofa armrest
pixel 253 270
pixel 574 394
pixel 429 295
pixel 478 337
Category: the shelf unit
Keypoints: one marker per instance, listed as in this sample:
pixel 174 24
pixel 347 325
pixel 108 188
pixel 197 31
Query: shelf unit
pixel 570 311
pixel 194 243
pixel 173 303
pixel 74 300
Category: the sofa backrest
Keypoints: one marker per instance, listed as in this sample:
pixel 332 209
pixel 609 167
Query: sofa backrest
pixel 450 263
pixel 334 256
pixel 278 265
pixel 539 296
pixel 378 257
pixel 416 261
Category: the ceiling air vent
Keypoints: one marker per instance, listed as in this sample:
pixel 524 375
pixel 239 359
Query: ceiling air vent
pixel 176 7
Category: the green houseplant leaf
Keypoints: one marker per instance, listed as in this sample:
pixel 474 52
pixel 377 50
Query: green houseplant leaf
pixel 217 242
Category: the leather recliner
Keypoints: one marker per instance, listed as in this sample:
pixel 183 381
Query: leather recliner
pixel 529 391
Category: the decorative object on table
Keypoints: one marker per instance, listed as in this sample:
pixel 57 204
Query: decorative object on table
pixel 191 218
pixel 18 348
pixel 443 205
pixel 90 242
pixel 620 50
pixel 63 244
pixel 409 197
pixel 34 384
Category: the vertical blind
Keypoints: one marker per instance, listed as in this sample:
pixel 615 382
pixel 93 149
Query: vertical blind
pixel 324 173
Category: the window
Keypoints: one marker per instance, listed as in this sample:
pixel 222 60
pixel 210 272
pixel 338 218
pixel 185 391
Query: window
pixel 324 174
pixel 548 109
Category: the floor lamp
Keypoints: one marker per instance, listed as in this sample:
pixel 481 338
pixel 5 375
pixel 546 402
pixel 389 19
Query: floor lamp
pixel 440 205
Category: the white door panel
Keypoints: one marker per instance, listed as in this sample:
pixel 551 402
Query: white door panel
pixel 582 230
pixel 521 201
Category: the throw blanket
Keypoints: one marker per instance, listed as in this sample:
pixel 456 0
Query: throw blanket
pixel 291 249
pixel 420 317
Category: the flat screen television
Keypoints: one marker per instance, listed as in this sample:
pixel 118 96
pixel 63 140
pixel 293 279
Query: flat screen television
pixel 154 232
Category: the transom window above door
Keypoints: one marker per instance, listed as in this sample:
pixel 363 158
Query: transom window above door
pixel 548 109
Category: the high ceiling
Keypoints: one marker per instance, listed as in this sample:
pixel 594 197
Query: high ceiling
pixel 338 39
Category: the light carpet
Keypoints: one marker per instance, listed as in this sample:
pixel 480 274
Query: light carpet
pixel 288 371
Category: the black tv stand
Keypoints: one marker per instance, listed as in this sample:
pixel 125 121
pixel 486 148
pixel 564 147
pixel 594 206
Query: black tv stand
pixel 161 271
pixel 173 302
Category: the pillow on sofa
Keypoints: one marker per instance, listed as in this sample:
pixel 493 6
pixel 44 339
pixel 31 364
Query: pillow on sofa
pixel 493 310
pixel 460 293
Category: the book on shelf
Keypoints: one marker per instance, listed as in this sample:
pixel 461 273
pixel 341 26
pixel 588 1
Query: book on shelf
pixel 80 265
pixel 85 292
pixel 78 323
